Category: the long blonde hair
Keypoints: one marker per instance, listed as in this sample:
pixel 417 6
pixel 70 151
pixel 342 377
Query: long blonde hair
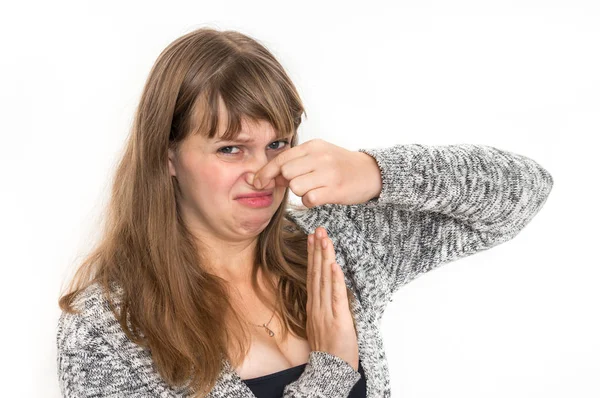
pixel 169 303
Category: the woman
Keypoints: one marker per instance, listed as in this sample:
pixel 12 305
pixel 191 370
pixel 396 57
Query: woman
pixel 196 289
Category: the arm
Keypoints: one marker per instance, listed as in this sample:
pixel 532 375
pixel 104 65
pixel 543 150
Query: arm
pixel 494 191
pixel 437 204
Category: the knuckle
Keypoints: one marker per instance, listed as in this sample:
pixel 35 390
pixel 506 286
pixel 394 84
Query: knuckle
pixel 315 142
pixel 327 251
pixel 305 202
pixel 324 282
pixel 285 171
pixel 311 197
pixel 293 185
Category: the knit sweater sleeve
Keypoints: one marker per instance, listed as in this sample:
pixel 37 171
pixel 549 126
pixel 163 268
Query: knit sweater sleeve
pixel 437 204
pixel 325 375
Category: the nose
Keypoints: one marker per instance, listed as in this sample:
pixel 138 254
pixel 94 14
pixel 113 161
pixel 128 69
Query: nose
pixel 257 163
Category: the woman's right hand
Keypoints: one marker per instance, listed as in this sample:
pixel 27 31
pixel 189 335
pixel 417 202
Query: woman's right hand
pixel 329 321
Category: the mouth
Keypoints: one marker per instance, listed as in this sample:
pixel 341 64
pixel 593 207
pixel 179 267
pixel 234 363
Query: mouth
pixel 256 200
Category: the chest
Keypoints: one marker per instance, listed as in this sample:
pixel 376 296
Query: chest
pixel 268 354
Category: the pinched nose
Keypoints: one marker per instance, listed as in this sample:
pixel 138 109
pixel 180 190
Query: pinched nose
pixel 250 178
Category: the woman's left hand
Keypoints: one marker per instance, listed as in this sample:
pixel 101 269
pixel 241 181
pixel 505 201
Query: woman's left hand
pixel 320 172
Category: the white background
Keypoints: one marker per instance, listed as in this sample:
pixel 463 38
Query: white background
pixel 519 320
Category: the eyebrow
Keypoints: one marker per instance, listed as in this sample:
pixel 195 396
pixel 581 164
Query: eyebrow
pixel 239 139
pixel 247 140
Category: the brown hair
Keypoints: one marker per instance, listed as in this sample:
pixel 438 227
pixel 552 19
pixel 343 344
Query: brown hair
pixel 168 301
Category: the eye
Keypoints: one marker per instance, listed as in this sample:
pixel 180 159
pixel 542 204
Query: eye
pixel 227 153
pixel 224 150
pixel 285 142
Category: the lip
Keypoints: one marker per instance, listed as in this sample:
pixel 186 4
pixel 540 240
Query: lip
pixel 257 202
pixel 255 195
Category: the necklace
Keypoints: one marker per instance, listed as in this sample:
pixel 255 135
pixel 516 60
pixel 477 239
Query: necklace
pixel 264 325
pixel 269 331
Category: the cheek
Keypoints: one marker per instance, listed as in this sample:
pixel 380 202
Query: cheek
pixel 218 180
pixel 213 180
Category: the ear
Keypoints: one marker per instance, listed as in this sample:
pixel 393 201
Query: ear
pixel 172 163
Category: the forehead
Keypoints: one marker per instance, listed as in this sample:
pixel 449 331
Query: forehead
pixel 243 129
pixel 251 131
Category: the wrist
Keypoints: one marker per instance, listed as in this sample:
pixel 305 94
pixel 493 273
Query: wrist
pixel 373 179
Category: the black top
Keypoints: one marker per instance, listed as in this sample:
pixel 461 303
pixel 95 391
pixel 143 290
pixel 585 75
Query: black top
pixel 271 386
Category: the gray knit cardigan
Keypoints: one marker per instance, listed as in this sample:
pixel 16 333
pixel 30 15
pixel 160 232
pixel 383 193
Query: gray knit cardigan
pixel 437 204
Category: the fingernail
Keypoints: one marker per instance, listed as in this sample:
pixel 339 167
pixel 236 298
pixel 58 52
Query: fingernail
pixel 319 233
pixel 311 239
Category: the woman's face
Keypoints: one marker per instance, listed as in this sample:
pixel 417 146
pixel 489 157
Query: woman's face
pixel 212 175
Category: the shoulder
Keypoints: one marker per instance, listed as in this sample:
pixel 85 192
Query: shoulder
pixel 93 319
pixel 96 358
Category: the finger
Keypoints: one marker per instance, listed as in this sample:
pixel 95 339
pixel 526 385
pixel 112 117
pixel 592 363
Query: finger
pixel 272 169
pixel 328 257
pixel 293 170
pixel 309 270
pixel 317 197
pixel 316 281
pixel 339 294
pixel 301 184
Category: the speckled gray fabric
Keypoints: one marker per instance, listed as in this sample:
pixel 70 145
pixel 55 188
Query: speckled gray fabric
pixel 437 204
